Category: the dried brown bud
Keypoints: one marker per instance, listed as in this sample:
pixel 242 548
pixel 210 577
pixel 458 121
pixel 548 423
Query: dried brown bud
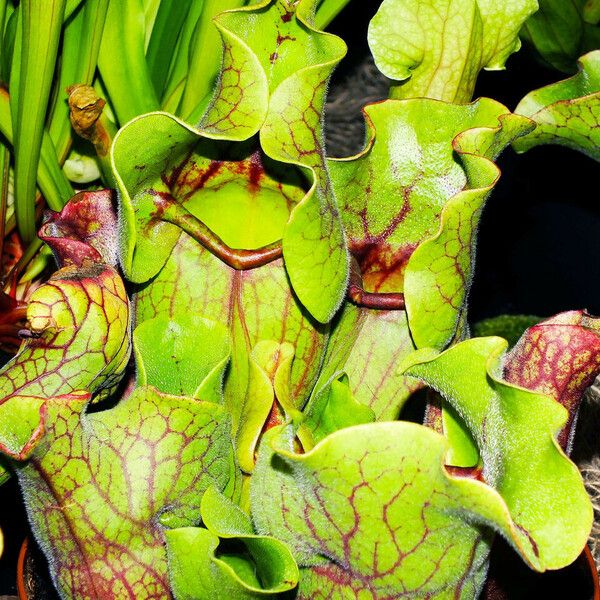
pixel 86 108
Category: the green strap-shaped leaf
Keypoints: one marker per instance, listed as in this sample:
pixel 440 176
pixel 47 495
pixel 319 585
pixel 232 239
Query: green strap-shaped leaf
pixel 561 32
pixel 515 431
pixel 170 20
pixel 440 46
pixel 122 62
pixel 411 202
pixel 179 60
pixel 567 112
pixel 205 58
pixel 198 351
pixel 41 25
pixel 201 562
pixel 327 11
pixel 51 180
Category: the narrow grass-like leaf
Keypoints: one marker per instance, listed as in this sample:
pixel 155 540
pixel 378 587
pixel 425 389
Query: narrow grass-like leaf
pixel 52 182
pixel 205 56
pixel 8 44
pixel 122 62
pixel 169 22
pixel 150 12
pixel 81 44
pixel 4 172
pixel 3 11
pixel 70 7
pixel 41 26
pixel 179 64
pixel 327 11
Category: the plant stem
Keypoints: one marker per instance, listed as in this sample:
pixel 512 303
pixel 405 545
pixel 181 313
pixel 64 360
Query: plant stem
pixel 81 44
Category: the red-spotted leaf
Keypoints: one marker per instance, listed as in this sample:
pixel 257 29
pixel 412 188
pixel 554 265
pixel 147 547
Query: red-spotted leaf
pixel 559 357
pixel 411 203
pixel 297 61
pixel 78 321
pixel 235 202
pixel 101 484
pixel 88 219
pixel 283 97
pixel 371 511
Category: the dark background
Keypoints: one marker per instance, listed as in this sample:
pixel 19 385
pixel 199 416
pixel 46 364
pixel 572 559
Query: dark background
pixel 539 247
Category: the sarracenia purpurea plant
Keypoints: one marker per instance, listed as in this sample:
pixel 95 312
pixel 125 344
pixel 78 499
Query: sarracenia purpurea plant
pixel 207 399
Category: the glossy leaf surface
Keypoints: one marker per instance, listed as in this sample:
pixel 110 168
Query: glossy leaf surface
pixel 411 202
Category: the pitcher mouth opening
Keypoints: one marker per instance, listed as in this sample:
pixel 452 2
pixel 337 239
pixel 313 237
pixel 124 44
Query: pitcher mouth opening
pixel 233 200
